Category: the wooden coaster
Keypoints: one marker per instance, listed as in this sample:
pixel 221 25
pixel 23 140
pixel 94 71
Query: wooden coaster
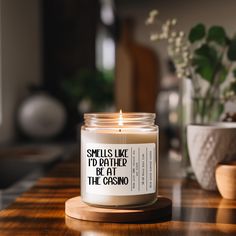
pixel 76 208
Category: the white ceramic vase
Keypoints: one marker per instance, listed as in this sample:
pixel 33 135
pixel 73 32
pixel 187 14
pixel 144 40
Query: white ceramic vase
pixel 41 116
pixel 208 145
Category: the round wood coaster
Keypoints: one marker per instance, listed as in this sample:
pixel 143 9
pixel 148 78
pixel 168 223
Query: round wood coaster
pixel 77 209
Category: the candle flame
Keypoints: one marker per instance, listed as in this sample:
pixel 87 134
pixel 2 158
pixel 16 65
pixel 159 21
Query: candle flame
pixel 120 121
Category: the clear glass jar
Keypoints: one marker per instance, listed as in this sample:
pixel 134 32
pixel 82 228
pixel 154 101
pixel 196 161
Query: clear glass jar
pixel 119 159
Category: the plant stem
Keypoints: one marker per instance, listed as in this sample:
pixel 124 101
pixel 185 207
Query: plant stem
pixel 210 91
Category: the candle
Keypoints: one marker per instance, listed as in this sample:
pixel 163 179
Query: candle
pixel 119 158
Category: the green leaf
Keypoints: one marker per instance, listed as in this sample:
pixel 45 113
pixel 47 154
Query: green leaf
pixel 221 108
pixel 208 52
pixel 223 72
pixel 233 87
pixel 205 62
pixel 200 61
pixel 206 72
pixel 216 111
pixel 234 73
pixel 197 33
pixel 217 34
pixel 232 50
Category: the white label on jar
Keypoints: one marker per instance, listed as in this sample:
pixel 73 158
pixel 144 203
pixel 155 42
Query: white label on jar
pixel 120 169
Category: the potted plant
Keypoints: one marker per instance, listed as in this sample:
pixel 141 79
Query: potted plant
pixel 206 57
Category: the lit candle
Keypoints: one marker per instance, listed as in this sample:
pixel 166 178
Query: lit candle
pixel 119 158
pixel 120 122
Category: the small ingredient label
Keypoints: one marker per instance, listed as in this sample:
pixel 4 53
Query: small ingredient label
pixel 120 169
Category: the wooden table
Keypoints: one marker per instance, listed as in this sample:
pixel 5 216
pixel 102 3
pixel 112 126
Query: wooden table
pixel 40 211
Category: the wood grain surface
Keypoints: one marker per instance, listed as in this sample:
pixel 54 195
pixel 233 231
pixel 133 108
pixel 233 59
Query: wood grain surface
pixel 41 210
pixel 161 209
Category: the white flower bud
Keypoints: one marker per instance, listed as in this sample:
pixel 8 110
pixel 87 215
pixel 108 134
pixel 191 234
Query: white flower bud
pixel 173 21
pixel 173 34
pixel 178 41
pixel 153 13
pixel 165 28
pixel 149 21
pixel 185 54
pixel 170 40
pixel 168 22
pixel 154 37
pixel 181 34
pixel 177 50
pixel 179 75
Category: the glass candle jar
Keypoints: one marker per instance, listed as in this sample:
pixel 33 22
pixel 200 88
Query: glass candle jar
pixel 119 159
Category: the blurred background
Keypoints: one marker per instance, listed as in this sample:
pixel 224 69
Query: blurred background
pixel 62 58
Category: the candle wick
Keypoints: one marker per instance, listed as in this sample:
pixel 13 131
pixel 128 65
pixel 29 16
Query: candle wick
pixel 119 130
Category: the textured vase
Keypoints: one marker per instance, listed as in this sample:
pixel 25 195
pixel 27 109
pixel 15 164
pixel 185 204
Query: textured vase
pixel 208 145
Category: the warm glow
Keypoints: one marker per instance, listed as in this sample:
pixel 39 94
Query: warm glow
pixel 120 122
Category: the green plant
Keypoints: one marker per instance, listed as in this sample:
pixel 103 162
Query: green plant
pixel 207 57
pixel 94 87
